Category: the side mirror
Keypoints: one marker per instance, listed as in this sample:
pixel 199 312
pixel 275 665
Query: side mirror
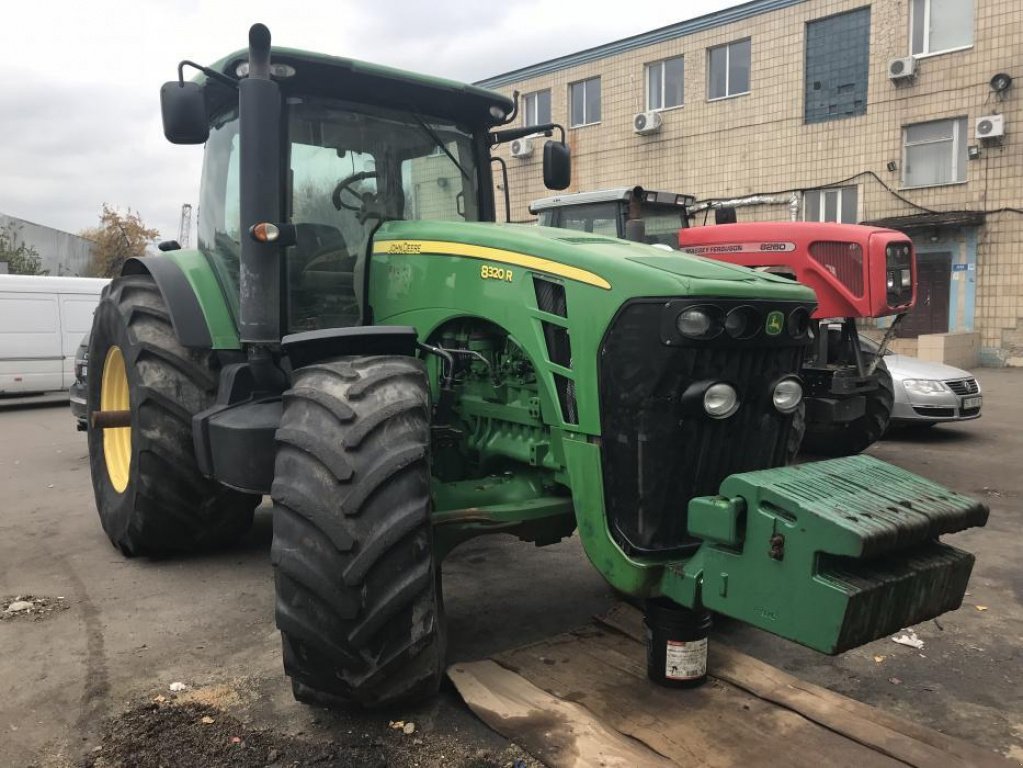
pixel 725 215
pixel 184 113
pixel 557 165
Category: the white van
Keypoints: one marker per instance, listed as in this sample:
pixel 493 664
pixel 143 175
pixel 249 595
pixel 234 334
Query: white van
pixel 42 321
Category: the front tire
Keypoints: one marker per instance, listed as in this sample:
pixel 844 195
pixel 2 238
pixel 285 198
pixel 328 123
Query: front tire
pixel 149 492
pixel 861 433
pixel 358 593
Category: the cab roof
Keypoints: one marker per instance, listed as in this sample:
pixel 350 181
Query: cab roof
pixel 611 195
pixel 322 75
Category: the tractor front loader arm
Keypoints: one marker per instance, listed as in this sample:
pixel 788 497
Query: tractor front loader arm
pixel 831 554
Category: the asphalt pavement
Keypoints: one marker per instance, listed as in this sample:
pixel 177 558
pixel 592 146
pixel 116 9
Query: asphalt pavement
pixel 117 633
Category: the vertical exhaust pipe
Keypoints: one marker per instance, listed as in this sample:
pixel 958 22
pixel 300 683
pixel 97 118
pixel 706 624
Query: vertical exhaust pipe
pixel 259 105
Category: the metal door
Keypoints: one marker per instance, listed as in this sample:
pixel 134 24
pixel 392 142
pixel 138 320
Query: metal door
pixel 930 315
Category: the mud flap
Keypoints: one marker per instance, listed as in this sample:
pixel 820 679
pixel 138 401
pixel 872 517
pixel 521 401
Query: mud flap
pixel 831 554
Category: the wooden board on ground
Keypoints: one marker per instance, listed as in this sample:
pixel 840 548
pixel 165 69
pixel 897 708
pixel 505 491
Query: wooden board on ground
pixel 583 699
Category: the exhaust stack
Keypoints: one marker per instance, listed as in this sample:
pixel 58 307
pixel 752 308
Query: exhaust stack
pixel 259 105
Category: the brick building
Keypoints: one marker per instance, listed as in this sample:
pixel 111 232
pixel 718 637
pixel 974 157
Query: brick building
pixel 804 103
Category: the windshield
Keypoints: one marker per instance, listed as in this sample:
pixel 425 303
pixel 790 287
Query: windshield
pixel 662 224
pixel 350 167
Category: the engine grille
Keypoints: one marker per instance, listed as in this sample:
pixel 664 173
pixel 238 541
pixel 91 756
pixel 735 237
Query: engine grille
pixel 843 260
pixel 656 455
pixel 963 386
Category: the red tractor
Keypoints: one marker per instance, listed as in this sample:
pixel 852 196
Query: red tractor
pixel 856 272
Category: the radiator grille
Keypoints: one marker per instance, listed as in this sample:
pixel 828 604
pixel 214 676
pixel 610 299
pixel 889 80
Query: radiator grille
pixel 843 260
pixel 655 455
pixel 963 386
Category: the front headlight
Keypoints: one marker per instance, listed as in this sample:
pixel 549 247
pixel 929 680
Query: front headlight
pixel 699 323
pixel 720 400
pixel 787 395
pixel 923 387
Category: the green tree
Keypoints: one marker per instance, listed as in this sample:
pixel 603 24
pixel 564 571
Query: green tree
pixel 21 258
pixel 119 237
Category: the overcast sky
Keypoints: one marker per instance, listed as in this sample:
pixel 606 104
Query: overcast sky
pixel 79 104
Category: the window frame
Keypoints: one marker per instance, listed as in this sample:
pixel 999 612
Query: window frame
pixel 662 64
pixel 728 69
pixel 927 52
pixel 960 133
pixel 583 83
pixel 842 191
pixel 534 96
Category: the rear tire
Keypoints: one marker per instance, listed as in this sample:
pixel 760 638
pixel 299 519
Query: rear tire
pixel 358 594
pixel 861 433
pixel 149 492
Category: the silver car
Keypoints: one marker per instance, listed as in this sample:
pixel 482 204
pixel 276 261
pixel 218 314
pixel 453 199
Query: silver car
pixel 929 393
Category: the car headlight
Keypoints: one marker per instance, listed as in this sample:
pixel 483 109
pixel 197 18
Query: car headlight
pixel 787 395
pixel 698 323
pixel 720 401
pixel 923 386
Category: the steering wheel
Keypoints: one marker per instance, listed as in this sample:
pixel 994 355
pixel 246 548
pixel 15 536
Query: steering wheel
pixel 366 200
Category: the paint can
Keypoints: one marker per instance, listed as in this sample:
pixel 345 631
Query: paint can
pixel 676 643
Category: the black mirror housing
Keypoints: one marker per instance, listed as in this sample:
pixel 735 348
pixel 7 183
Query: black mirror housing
pixel 725 215
pixel 557 165
pixel 184 113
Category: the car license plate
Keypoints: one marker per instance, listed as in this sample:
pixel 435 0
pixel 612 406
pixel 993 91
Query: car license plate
pixel 972 402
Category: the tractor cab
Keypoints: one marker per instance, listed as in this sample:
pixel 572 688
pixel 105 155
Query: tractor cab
pixel 630 213
pixel 358 145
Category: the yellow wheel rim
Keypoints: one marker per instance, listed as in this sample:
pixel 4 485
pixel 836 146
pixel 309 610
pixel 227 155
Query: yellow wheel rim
pixel 113 396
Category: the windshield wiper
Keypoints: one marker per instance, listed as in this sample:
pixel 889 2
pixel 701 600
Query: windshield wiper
pixel 437 140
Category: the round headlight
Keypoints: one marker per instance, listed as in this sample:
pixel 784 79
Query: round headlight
pixel 788 394
pixel 697 323
pixel 742 323
pixel 720 401
pixel 798 323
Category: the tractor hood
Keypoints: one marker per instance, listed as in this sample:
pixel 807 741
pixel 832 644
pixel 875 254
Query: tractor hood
pixel 610 263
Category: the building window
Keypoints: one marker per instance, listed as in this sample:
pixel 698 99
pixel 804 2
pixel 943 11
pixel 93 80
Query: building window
pixel 537 107
pixel 664 81
pixel 831 204
pixel 940 25
pixel 837 66
pixel 934 153
pixel 584 102
pixel 728 69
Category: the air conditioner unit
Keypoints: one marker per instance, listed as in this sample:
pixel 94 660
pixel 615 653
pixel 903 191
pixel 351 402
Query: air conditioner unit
pixel 645 123
pixel 522 148
pixel 900 69
pixel 990 127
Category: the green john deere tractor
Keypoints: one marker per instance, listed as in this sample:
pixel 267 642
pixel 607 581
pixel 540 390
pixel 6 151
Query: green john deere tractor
pixel 357 338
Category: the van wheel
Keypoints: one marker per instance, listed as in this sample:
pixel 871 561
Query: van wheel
pixel 358 589
pixel 149 492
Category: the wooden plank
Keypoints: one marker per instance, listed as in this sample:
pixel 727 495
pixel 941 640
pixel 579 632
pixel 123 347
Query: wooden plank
pixel 717 725
pixel 908 742
pixel 561 733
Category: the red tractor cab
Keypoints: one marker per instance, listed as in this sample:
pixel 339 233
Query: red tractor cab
pixel 857 272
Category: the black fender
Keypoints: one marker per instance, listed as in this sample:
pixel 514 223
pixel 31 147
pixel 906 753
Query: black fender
pixel 186 314
pixel 312 346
